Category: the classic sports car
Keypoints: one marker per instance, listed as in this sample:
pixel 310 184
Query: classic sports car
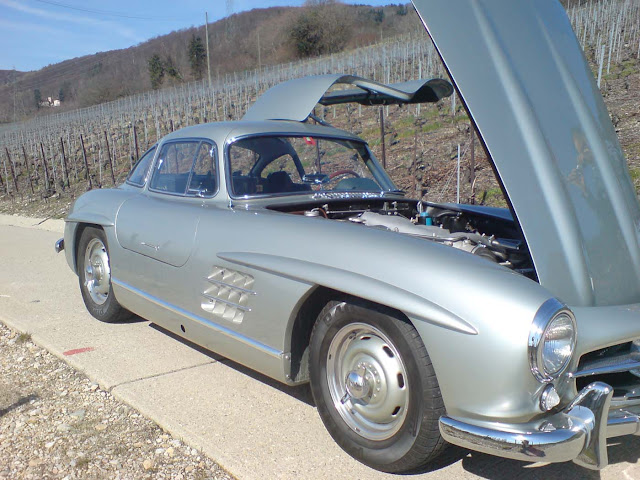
pixel 284 245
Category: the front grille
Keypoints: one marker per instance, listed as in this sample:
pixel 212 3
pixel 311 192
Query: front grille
pixel 612 365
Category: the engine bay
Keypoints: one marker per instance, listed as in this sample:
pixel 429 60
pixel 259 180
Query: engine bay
pixel 488 232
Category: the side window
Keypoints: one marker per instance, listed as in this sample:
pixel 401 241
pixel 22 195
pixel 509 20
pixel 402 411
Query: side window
pixel 204 179
pixel 138 174
pixel 173 167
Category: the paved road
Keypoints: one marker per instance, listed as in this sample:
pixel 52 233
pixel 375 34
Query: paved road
pixel 253 427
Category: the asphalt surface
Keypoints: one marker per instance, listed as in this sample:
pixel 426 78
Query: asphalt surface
pixel 252 426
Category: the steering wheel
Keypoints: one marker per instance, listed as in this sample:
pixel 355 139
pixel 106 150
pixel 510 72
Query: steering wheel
pixel 343 172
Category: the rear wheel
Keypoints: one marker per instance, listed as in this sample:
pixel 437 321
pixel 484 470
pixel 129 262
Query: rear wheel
pixel 375 387
pixel 94 274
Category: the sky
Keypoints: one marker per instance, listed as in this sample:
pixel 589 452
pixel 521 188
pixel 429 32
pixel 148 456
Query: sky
pixel 37 33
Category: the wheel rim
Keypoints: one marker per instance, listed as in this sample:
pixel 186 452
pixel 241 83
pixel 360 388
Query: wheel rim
pixel 368 381
pixel 97 273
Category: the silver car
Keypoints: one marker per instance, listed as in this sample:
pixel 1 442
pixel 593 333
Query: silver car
pixel 283 245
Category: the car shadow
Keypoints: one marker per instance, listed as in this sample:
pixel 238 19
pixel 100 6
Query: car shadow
pixel 132 319
pixel 620 450
pixel 300 392
pixel 18 403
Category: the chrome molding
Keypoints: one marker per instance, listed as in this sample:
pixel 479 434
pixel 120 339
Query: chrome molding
pixel 592 405
pixel 190 316
pixel 619 364
pixel 543 317
pixel 227 285
pixel 577 433
pixel 226 302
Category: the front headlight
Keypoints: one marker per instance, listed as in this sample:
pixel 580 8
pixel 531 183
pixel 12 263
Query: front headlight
pixel 551 340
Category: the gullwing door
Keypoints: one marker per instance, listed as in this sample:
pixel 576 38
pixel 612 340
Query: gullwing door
pixel 296 99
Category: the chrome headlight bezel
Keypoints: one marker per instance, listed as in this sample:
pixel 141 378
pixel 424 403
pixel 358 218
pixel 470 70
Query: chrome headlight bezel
pixel 550 311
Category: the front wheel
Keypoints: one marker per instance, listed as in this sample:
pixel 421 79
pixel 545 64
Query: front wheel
pixel 94 274
pixel 375 388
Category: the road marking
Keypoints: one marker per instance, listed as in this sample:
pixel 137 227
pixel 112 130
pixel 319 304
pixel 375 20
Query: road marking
pixel 78 350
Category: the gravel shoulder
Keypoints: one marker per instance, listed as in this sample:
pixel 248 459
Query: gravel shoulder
pixel 56 423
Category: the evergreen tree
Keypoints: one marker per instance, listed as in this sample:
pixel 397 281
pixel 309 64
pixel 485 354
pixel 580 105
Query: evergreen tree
pixel 197 56
pixel 37 96
pixel 171 70
pixel 156 71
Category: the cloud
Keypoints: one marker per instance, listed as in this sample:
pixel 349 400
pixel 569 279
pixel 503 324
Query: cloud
pixel 29 27
pixel 72 18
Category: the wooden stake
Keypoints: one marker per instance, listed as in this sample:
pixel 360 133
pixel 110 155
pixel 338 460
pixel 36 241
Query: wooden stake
pixel 45 167
pixel 26 164
pixel 64 163
pixel 13 172
pixel 472 166
pixel 106 140
pixel 86 164
pixel 6 184
pixel 135 140
pixel 384 150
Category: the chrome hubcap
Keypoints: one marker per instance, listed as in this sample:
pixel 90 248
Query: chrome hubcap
pixel 97 276
pixel 368 381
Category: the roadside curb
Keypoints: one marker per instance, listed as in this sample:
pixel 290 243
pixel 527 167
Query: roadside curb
pixel 48 224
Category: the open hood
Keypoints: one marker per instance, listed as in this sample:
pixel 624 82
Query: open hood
pixel 296 99
pixel 527 86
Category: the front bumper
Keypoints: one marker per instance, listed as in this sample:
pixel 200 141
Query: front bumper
pixel 578 433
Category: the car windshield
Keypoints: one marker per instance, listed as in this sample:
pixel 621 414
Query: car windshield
pixel 270 165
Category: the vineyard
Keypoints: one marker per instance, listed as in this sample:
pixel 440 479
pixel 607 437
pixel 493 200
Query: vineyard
pixel 50 160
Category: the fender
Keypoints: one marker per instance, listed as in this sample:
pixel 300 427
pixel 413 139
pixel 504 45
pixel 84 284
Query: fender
pixel 88 217
pixel 354 284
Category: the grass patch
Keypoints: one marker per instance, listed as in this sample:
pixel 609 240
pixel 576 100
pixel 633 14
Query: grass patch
pixel 460 117
pixel 494 198
pixel 431 127
pixel 407 133
pixel 23 338
pixel 405 122
pixel 635 175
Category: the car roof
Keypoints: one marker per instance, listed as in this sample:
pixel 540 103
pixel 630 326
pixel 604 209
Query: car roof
pixel 222 132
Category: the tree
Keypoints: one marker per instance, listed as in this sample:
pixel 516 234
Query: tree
pixel 37 96
pixel 171 69
pixel 156 71
pixel 197 56
pixel 65 92
pixel 321 27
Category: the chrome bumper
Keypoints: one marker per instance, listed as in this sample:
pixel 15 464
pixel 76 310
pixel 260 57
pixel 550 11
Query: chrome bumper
pixel 60 245
pixel 578 433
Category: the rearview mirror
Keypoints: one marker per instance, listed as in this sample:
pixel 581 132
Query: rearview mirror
pixel 315 178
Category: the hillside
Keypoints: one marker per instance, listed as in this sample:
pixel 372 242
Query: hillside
pixel 239 42
pixel 49 161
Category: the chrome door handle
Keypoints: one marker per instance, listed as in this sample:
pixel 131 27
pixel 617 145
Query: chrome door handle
pixel 155 247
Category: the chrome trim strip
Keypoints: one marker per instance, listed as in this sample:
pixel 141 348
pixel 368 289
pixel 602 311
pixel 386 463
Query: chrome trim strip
pixel 617 368
pixel 233 287
pixel 59 245
pixel 218 328
pixel 231 304
pixel 576 433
